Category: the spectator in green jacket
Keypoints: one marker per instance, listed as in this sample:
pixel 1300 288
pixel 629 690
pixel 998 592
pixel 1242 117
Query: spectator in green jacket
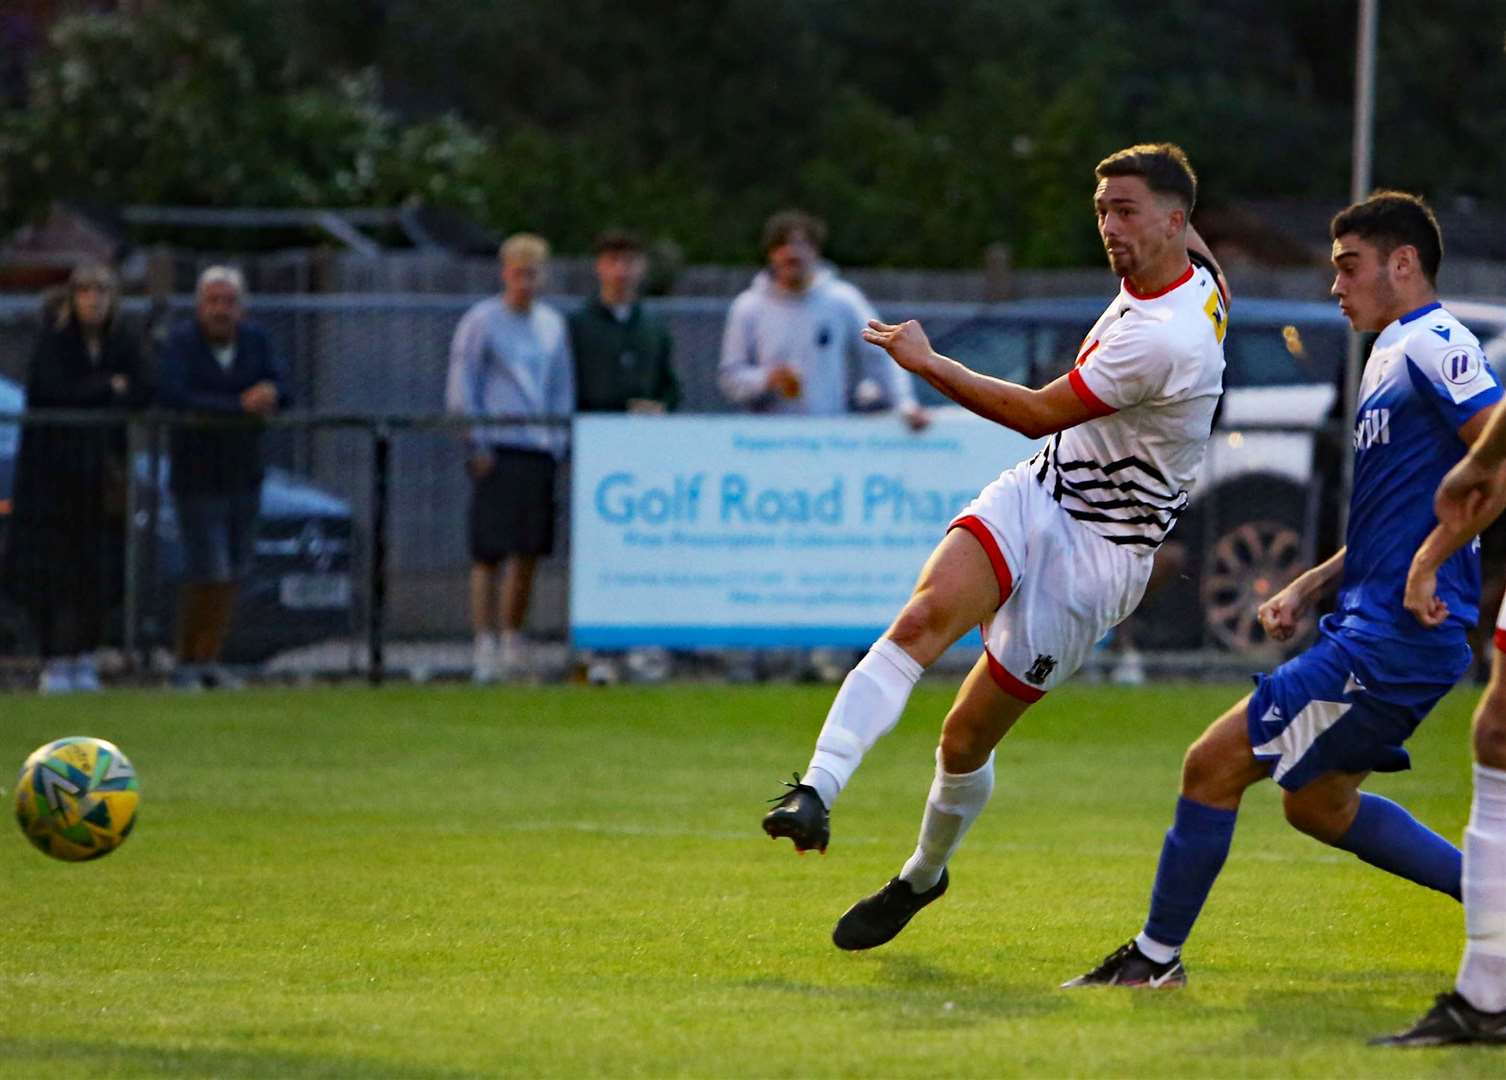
pixel 622 353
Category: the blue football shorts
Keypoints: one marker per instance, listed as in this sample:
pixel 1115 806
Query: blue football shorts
pixel 1347 704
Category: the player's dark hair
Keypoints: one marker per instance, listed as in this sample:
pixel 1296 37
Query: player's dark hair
pixel 784 225
pixel 1163 166
pixel 1392 219
pixel 614 240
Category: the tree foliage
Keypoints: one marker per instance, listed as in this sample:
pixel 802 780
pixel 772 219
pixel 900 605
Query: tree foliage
pixel 923 132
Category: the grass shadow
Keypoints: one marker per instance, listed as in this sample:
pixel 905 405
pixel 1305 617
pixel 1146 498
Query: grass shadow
pixel 918 994
pixel 69 1055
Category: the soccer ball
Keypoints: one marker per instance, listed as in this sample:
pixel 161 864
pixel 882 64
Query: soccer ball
pixel 76 798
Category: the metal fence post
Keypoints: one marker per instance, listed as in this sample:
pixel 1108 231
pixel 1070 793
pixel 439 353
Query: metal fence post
pixel 131 605
pixel 381 456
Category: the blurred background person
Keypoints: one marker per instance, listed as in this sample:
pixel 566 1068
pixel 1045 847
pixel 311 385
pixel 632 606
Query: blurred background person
pixel 793 345
pixel 622 364
pixel 65 562
pixel 216 364
pixel 793 339
pixel 510 356
pixel 622 353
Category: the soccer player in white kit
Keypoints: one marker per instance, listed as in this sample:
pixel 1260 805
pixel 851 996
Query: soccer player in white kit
pixel 1058 549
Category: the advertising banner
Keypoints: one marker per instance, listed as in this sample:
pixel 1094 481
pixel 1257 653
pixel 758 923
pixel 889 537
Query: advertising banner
pixel 750 531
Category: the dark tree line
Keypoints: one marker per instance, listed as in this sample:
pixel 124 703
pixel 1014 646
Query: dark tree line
pixel 922 131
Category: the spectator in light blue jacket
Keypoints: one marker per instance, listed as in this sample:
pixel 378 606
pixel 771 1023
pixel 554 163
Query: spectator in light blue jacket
pixel 510 357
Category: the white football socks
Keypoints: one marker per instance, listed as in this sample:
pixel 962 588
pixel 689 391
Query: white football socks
pixel 955 801
pixel 1152 949
pixel 1482 974
pixel 866 708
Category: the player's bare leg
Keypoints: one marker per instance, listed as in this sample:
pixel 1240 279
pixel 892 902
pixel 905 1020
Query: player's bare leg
pixel 956 591
pixel 517 589
pixel 1474 1011
pixel 484 621
pixel 1220 765
pixel 981 715
pixel 1482 974
pixel 1326 808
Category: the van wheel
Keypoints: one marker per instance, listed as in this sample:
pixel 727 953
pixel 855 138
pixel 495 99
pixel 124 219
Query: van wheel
pixel 1247 564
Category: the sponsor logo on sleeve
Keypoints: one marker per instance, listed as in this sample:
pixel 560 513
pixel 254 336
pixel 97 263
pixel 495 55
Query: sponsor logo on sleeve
pixel 1464 374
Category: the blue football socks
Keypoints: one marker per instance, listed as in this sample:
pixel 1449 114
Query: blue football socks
pixel 1191 857
pixel 1386 836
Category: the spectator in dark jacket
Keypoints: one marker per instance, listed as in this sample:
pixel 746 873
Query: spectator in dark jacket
pixel 622 353
pixel 220 367
pixel 64 563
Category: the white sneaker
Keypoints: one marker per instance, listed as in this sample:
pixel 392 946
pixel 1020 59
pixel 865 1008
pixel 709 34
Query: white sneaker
pixel 602 671
pixel 514 658
pixel 484 660
pixel 1130 670
pixel 57 678
pixel 649 664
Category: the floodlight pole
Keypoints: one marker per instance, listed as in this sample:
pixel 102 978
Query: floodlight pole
pixel 1359 187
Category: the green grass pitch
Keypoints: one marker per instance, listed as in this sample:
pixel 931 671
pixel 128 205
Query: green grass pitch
pixel 448 882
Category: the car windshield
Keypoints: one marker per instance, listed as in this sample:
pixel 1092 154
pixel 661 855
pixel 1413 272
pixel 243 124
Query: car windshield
pixel 1271 354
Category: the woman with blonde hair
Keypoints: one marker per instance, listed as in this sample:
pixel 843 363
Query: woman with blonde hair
pixel 64 563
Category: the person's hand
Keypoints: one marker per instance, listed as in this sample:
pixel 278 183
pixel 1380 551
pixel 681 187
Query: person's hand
pixel 646 407
pixel 915 418
pixel 120 385
pixel 1421 597
pixel 906 343
pixel 1466 495
pixel 261 399
pixel 1280 615
pixel 785 381
pixel 480 464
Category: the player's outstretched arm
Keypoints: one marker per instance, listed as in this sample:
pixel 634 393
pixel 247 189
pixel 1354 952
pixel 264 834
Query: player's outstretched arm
pixel 1280 614
pixel 1034 413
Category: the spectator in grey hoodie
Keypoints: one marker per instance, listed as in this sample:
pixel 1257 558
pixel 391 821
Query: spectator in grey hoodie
pixel 793 340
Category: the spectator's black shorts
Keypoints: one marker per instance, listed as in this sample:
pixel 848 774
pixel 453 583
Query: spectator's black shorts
pixel 512 507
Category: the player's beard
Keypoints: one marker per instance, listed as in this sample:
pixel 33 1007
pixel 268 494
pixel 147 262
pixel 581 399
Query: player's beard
pixel 1124 263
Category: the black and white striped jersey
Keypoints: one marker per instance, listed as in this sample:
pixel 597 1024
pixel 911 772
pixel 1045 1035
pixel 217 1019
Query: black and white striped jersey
pixel 1151 370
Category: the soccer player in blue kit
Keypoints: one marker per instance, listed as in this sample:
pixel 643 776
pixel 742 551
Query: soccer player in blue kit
pixel 1323 721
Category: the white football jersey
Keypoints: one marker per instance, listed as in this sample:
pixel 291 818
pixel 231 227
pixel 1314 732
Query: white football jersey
pixel 1151 370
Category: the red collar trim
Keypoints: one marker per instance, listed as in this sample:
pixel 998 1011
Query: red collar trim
pixel 1183 280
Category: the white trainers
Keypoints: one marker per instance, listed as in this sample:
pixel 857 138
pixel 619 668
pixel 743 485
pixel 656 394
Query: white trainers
pixel 649 664
pixel 602 671
pixel 514 659
pixel 1129 670
pixel 484 668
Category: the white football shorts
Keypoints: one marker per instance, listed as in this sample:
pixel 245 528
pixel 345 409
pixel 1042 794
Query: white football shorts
pixel 1062 585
